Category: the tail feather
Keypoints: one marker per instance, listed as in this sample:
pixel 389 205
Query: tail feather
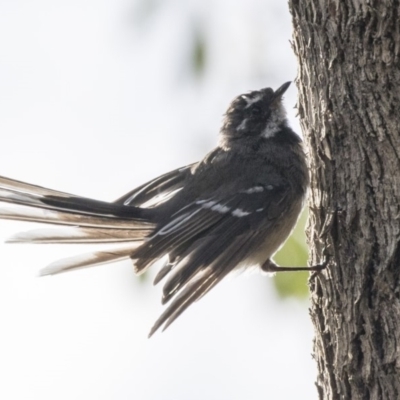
pixel 77 205
pixel 16 192
pixel 7 183
pixel 15 197
pixel 79 235
pixel 90 221
pixel 54 217
pixel 87 260
pixel 83 205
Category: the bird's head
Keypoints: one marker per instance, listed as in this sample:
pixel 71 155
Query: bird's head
pixel 257 114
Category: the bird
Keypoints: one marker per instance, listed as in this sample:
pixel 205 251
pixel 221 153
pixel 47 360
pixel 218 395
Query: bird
pixel 232 210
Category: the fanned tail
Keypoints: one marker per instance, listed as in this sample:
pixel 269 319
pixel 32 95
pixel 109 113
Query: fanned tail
pixel 70 203
pixel 86 221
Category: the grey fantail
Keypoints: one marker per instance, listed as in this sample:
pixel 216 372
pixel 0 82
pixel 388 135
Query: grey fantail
pixel 231 210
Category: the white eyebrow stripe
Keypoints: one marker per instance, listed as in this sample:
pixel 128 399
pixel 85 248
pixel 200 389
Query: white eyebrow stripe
pixel 249 101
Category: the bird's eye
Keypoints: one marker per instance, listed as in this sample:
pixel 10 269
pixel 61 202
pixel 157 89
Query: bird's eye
pixel 256 110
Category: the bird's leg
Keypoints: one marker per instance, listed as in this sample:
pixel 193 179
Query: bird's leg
pixel 270 266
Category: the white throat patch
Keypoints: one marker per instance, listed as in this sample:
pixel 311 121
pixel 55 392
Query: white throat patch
pixel 274 123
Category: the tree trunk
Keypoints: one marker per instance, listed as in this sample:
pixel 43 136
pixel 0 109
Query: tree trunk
pixel 349 104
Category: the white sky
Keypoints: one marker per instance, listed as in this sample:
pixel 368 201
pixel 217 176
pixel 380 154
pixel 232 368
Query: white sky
pixel 96 98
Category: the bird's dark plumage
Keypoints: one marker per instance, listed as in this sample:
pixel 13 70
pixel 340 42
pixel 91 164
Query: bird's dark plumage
pixel 232 209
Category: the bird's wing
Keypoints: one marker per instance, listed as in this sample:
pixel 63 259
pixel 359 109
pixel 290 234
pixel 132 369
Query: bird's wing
pixel 207 239
pixel 236 212
pixel 157 189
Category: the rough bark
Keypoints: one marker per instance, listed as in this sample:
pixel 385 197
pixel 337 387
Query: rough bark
pixel 349 104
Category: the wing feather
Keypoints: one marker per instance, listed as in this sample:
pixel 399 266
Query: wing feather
pixel 203 282
pixel 212 216
pixel 161 186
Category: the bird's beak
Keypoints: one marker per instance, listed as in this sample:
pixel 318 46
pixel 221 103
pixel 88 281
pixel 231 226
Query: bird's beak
pixel 279 92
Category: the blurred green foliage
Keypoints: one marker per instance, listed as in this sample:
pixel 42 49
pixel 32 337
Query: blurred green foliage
pixel 198 53
pixel 293 254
